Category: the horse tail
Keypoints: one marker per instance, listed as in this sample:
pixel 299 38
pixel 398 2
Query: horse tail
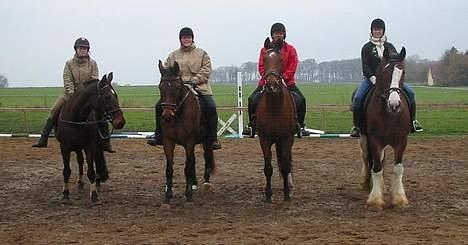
pixel 101 165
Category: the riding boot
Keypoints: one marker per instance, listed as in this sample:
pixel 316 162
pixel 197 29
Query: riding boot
pixel 211 116
pixel 156 138
pixel 42 142
pixel 356 131
pixel 253 101
pixel 415 125
pixel 105 142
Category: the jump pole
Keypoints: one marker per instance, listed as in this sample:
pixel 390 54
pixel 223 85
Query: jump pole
pixel 240 113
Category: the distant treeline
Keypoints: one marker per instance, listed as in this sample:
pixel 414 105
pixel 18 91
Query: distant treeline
pixel 453 66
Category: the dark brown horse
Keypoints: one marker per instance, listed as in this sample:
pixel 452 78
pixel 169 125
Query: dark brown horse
pixel 276 119
pixel 77 129
pixel 181 125
pixel 387 119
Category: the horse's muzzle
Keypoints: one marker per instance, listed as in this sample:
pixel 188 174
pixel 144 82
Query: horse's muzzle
pixel 118 120
pixel 168 114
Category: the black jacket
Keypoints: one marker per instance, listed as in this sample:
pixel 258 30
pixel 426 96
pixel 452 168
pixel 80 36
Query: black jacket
pixel 370 58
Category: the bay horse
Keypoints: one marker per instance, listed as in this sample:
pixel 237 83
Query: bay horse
pixel 276 119
pixel 77 129
pixel 182 125
pixel 387 119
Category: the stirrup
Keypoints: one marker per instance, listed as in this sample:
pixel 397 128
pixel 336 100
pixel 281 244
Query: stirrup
pixel 355 132
pixel 417 126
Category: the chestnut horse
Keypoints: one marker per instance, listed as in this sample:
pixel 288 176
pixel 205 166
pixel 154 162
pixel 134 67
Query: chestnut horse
pixel 387 118
pixel 182 125
pixel 276 119
pixel 77 129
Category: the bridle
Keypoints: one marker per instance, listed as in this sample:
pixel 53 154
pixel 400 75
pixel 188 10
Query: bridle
pixel 107 114
pixel 179 103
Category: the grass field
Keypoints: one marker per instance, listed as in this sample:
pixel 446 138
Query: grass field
pixel 442 111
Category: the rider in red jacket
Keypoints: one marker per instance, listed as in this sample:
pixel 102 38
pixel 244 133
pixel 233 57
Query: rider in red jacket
pixel 278 34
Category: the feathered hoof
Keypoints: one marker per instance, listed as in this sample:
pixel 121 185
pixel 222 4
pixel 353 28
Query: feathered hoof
pixel 375 205
pixel 400 202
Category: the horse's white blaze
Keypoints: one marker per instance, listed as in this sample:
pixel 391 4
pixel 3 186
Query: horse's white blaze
pixel 377 186
pixel 394 97
pixel 397 180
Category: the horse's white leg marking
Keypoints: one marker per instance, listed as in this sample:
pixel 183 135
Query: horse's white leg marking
pixel 290 180
pixel 365 167
pixel 65 186
pixel 398 192
pixel 92 187
pixel 376 196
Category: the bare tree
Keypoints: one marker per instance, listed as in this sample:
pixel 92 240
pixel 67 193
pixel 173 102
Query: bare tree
pixel 3 81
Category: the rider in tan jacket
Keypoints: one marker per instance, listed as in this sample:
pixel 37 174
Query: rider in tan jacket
pixel 195 68
pixel 79 69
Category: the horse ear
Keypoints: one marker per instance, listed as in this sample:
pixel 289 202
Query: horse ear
pixel 161 68
pixel 110 77
pixel 402 54
pixel 176 68
pixel 267 43
pixel 104 78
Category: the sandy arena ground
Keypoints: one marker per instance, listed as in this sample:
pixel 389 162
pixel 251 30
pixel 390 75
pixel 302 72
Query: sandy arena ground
pixel 327 204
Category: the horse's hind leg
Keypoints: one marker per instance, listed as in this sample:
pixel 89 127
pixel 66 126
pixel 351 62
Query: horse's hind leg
pixel 399 199
pixel 189 170
pixel 80 160
pixel 375 200
pixel 208 155
pixel 366 164
pixel 268 169
pixel 66 173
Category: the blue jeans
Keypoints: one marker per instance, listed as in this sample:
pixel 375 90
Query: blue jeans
pixel 364 87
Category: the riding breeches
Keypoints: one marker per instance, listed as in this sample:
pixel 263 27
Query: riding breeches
pixel 56 107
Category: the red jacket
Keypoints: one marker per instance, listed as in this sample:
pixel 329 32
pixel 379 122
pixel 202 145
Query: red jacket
pixel 289 66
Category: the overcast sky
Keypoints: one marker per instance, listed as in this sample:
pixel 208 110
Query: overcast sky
pixel 128 37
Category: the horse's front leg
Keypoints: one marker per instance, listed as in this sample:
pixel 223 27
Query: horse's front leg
pixel 189 170
pixel 80 160
pixel 399 199
pixel 66 173
pixel 91 174
pixel 168 189
pixel 268 169
pixel 375 200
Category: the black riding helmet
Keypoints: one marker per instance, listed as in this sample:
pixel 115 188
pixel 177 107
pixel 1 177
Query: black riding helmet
pixel 186 31
pixel 378 23
pixel 81 42
pixel 278 27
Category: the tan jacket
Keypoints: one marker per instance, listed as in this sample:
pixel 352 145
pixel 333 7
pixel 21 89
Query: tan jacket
pixel 76 71
pixel 195 65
